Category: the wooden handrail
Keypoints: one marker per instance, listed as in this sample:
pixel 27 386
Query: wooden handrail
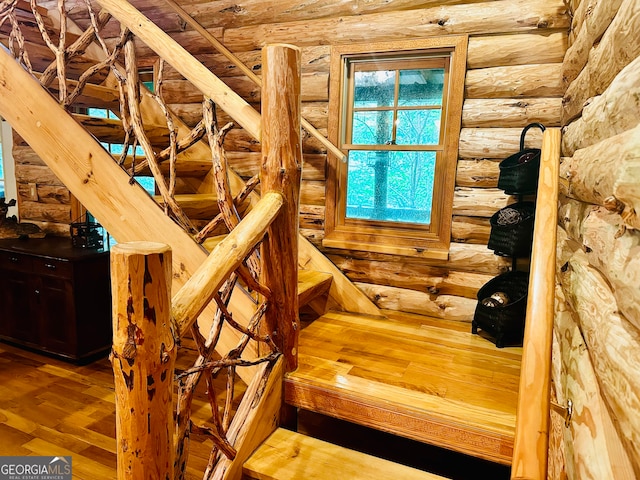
pixel 248 72
pixel 210 85
pixel 532 422
pixel 342 290
pixel 198 291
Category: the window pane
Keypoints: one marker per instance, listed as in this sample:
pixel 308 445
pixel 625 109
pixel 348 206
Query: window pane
pixel 374 89
pixel 116 148
pixel 421 87
pixel 150 85
pixel 1 164
pixel 97 112
pixel 390 186
pixel 372 128
pixel 418 127
pixel 148 183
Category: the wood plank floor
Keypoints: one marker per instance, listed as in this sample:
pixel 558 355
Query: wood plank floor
pixel 425 379
pixel 51 407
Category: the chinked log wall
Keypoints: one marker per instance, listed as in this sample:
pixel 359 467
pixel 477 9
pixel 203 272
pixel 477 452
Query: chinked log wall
pixel 597 336
pixel 514 78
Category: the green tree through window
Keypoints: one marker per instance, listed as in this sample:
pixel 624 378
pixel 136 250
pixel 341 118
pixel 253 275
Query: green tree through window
pixel 395 110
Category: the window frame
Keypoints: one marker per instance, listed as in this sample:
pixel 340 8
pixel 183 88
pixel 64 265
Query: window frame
pixel 433 240
pixel 10 187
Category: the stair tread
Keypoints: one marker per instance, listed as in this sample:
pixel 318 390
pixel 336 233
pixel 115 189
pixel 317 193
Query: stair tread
pixel 212 242
pixel 110 130
pixel 202 206
pixel 425 379
pixel 312 284
pixel 184 167
pixel 288 455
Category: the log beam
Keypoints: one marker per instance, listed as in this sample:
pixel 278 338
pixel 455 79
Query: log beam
pixel 612 342
pixel 599 18
pixel 510 112
pixel 614 51
pixel 613 250
pixel 515 81
pixel 520 49
pixel 513 16
pixel 593 447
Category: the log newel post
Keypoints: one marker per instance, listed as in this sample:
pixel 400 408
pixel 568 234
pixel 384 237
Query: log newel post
pixel 143 359
pixel 281 166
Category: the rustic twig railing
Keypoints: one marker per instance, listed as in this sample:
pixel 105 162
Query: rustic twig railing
pixel 146 328
pixel 248 72
pixel 215 280
pixel 146 332
pixel 342 291
pixel 532 420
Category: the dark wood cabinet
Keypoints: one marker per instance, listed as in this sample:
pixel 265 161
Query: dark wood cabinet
pixel 55 298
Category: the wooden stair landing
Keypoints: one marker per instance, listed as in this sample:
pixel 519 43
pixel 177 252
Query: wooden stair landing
pixel 287 455
pixel 426 379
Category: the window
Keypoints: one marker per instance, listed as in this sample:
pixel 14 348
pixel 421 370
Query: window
pixel 2 194
pixel 147 182
pixel 8 188
pixel 395 111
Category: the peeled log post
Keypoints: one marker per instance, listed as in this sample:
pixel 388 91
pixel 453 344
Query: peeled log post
pixel 280 171
pixel 143 359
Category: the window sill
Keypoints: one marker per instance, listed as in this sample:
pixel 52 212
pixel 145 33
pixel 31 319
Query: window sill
pixel 433 253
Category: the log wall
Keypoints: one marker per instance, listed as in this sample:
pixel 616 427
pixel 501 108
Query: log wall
pixel 42 197
pixel 597 334
pixel 514 78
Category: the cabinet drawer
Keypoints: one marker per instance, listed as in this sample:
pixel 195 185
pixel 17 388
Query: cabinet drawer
pixel 53 267
pixel 15 261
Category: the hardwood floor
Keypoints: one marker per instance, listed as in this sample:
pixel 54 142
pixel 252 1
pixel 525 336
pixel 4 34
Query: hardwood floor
pixel 50 407
pixel 425 379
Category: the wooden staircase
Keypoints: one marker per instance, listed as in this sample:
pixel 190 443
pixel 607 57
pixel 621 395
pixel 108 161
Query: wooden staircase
pixel 287 455
pixel 418 378
pixel 424 379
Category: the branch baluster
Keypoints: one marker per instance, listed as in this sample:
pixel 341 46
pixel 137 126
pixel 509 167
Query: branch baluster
pixel 133 90
pixel 234 258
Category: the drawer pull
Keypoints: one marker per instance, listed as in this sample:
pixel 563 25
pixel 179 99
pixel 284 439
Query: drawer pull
pixel 13 259
pixel 50 266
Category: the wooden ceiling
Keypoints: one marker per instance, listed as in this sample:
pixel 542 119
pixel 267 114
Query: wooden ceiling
pixel 238 13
